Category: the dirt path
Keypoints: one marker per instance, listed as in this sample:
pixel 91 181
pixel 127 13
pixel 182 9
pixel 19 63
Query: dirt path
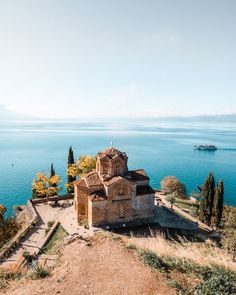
pixel 105 267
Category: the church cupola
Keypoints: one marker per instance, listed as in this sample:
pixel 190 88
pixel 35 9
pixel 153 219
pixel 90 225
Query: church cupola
pixel 111 162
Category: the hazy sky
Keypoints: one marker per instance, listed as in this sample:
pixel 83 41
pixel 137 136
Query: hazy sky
pixel 78 58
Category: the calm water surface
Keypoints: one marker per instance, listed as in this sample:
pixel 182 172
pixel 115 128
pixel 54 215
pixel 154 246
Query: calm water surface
pixel 160 148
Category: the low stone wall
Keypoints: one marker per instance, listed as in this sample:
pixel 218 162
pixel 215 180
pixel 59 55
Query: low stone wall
pixel 7 248
pixel 56 198
pixel 48 237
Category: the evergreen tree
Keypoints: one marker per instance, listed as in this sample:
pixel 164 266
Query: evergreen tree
pixel 71 159
pixel 34 194
pixel 208 192
pixel 217 209
pixel 70 179
pixel 53 173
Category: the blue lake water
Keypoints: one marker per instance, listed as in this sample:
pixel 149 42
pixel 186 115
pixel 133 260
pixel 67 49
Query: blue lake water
pixel 161 148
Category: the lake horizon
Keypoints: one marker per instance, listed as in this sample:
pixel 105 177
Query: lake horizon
pixel 162 148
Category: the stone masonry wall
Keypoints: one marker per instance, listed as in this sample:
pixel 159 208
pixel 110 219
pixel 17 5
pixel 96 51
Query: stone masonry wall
pixel 81 203
pixel 144 206
pixel 97 213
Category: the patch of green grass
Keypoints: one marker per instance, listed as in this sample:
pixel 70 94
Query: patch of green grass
pixel 55 243
pixel 181 290
pixel 131 246
pixel 49 226
pixel 221 282
pixel 38 271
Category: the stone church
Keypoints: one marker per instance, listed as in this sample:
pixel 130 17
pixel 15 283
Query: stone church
pixel 112 196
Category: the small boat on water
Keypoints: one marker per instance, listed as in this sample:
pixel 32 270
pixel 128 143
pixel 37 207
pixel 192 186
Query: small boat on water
pixel 205 147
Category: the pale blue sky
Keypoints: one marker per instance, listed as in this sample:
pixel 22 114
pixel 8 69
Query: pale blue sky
pixel 65 58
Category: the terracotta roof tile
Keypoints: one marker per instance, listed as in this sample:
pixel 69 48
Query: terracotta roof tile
pixel 92 179
pixel 137 175
pixel 98 196
pixel 112 153
pixel 112 180
pixel 80 182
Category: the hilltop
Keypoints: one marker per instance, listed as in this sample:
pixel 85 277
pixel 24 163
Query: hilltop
pixel 134 264
pixel 102 266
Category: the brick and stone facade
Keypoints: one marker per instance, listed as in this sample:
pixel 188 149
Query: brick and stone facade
pixel 113 196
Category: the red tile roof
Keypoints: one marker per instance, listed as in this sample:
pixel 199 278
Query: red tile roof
pixel 112 153
pixel 80 182
pixel 98 196
pixel 137 175
pixel 93 179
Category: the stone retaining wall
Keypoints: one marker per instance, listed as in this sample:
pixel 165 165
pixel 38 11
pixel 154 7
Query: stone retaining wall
pixel 8 247
pixel 56 198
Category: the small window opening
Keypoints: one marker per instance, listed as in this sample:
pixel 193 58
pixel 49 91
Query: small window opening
pixel 122 211
pixel 116 170
pixel 121 191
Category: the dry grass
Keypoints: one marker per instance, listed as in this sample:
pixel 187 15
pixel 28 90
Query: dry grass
pixel 203 254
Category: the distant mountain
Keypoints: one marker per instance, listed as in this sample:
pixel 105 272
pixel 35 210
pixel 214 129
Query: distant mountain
pixel 6 115
pixel 186 119
pixel 224 118
pixel 202 118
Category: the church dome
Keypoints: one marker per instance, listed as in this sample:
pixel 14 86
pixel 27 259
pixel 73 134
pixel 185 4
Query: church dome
pixel 112 153
pixel 111 162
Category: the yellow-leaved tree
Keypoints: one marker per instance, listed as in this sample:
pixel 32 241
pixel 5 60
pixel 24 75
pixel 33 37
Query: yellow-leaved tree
pixel 3 209
pixel 83 165
pixel 44 186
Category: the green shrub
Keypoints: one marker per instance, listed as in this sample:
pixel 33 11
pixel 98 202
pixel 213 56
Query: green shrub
pixel 181 290
pixel 8 229
pixel 27 256
pixel 50 223
pixel 49 226
pixel 38 271
pixel 221 282
pixel 131 247
pixel 215 280
pixel 152 260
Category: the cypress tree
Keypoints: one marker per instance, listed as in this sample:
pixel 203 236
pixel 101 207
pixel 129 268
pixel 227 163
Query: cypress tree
pixel 217 209
pixel 34 194
pixel 208 192
pixel 70 178
pixel 71 159
pixel 52 171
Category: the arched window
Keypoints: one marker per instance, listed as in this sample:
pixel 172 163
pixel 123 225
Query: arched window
pixel 116 170
pixel 121 191
pixel 122 211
